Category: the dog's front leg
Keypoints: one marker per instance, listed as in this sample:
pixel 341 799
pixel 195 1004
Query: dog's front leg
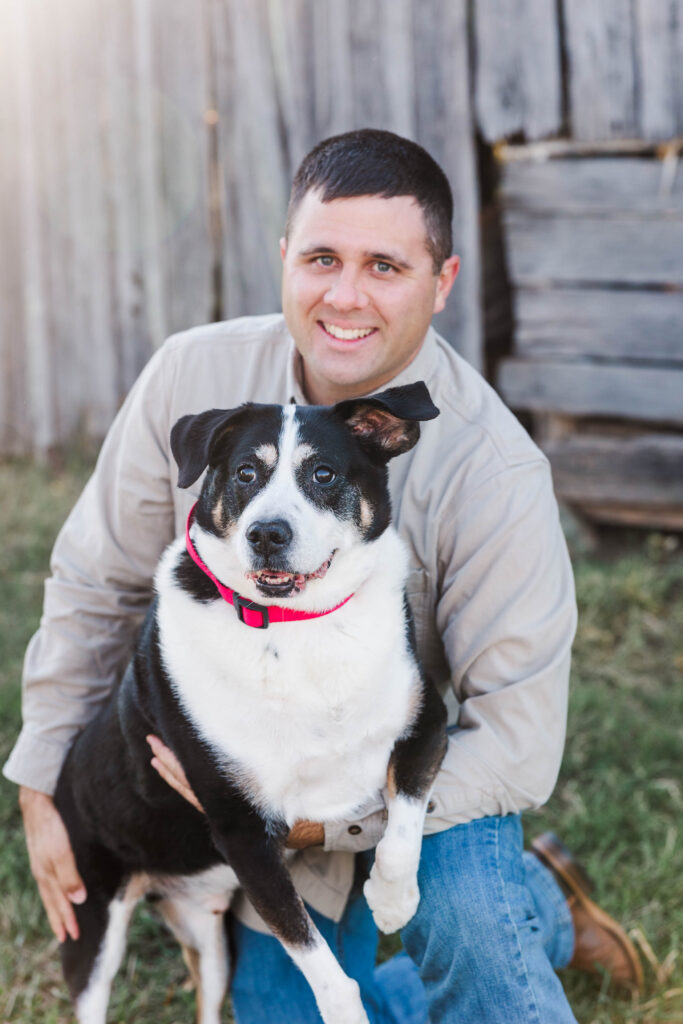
pixel 257 859
pixel 391 890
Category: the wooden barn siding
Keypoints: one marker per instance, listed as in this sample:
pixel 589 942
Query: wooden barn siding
pixel 623 74
pixel 148 147
pixel 595 255
pixel 151 144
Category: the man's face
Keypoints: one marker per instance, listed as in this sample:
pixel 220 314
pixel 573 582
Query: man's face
pixel 359 291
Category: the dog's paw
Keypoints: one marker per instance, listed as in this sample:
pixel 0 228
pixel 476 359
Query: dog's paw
pixel 343 1007
pixel 392 903
pixel 349 1015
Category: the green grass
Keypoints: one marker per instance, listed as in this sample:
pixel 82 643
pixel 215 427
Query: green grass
pixel 618 803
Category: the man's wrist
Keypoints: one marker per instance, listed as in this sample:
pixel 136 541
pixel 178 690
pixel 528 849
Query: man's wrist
pixel 304 834
pixel 32 797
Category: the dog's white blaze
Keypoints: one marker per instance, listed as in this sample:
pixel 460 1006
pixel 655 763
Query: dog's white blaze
pixel 317 746
pixel 315 530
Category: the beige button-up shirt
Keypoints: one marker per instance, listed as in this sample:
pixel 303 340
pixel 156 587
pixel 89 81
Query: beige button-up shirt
pixel 490 585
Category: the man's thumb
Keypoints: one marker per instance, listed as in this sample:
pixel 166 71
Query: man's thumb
pixel 69 879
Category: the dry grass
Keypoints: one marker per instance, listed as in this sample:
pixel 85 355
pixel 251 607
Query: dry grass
pixel 618 802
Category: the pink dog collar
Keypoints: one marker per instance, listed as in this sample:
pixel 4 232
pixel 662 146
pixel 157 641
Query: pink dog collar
pixel 258 616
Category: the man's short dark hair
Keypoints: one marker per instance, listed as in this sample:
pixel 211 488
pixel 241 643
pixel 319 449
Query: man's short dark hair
pixel 370 162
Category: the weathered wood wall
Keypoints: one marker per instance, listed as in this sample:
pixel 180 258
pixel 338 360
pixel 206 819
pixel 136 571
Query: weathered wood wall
pixel 594 241
pixel 595 250
pixel 147 150
pixel 148 145
pixel 611 69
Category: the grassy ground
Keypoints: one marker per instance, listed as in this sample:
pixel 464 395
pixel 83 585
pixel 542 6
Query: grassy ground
pixel 618 802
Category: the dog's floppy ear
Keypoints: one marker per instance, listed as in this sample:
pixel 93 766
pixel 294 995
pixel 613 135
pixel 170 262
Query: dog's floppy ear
pixel 388 424
pixel 192 439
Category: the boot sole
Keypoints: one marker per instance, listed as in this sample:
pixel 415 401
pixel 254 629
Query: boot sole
pixel 555 855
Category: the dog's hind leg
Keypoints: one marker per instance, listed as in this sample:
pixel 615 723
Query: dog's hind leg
pixel 201 934
pixel 91 963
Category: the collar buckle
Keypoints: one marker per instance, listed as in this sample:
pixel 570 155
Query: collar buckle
pixel 242 604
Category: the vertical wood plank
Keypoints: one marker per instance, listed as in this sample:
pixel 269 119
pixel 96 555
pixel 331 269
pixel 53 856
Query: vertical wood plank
pixel 396 55
pixel 444 128
pixel 517 68
pixel 382 65
pixel 171 95
pixel 253 165
pixel 364 66
pixel 149 157
pixel 333 69
pixel 14 426
pixel 88 391
pixel 600 58
pixel 181 100
pixel 34 90
pixel 129 267
pixel 292 30
pixel 370 100
pixel 660 51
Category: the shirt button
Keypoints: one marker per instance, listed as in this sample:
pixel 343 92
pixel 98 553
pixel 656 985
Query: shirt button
pixel 431 806
pixel 355 829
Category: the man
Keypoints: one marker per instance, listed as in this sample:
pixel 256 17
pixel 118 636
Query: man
pixel 366 263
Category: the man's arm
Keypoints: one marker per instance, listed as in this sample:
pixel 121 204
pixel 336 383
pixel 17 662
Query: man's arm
pixel 507 616
pixel 102 568
pixel 100 585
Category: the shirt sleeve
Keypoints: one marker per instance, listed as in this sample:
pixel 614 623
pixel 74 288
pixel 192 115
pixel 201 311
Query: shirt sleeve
pixel 506 614
pixel 100 585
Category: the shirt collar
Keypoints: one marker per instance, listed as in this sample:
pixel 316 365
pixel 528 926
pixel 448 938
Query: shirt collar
pixel 423 367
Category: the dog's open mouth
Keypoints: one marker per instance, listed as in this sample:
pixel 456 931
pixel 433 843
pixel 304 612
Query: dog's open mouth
pixel 274 583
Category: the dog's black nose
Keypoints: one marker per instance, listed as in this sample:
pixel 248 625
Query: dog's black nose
pixel 270 538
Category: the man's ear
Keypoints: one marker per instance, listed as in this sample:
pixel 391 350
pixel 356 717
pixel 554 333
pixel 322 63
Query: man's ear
pixel 193 439
pixel 388 424
pixel 446 280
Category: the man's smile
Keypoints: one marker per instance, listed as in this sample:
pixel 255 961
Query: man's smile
pixel 346 333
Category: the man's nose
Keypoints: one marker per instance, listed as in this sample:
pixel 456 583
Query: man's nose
pixel 346 292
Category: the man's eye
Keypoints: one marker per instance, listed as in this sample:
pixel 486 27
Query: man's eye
pixel 324 475
pixel 246 474
pixel 325 261
pixel 382 267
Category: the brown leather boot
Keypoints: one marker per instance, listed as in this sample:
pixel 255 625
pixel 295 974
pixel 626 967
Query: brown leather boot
pixel 600 944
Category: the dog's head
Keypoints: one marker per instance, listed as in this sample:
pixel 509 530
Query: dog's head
pixel 290 490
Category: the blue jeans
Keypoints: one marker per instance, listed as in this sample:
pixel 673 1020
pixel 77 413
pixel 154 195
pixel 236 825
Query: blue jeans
pixel 491 925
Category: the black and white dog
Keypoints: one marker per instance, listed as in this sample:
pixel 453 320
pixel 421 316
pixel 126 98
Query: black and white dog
pixel 302 701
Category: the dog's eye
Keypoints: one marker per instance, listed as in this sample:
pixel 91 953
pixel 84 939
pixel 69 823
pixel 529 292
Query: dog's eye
pixel 323 475
pixel 246 474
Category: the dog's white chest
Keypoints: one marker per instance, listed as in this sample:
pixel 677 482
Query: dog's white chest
pixel 305 714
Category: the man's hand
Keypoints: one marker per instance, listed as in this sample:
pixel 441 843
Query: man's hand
pixel 303 834
pixel 52 861
pixel 168 766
